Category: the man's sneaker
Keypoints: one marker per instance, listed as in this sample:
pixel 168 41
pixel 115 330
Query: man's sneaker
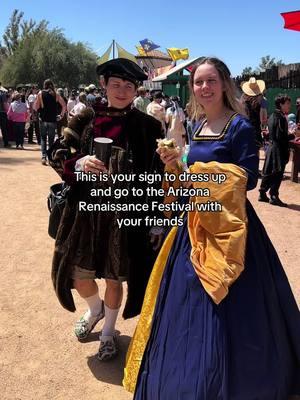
pixel 44 161
pixel 108 348
pixel 85 325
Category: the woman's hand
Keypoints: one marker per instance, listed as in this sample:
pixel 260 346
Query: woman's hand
pixel 169 156
pixel 92 164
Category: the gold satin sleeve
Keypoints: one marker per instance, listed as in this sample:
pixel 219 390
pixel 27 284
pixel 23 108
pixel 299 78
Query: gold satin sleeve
pixel 142 332
pixel 218 239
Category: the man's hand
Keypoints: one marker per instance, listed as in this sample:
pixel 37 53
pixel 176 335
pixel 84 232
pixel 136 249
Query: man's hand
pixel 92 164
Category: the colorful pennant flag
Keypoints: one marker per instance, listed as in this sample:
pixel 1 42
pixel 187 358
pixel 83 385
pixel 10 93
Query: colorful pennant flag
pixel 141 51
pixel 190 68
pixel 178 54
pixel 291 20
pixel 148 45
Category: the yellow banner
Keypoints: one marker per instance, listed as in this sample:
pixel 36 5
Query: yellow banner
pixel 122 53
pixel 178 54
pixel 141 51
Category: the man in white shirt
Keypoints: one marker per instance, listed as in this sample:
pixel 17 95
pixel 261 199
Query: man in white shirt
pixel 81 105
pixel 156 110
pixel 34 121
pixel 71 102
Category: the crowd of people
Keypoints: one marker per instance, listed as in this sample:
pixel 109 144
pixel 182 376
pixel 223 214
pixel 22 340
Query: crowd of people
pixel 25 110
pixel 21 114
pixel 29 112
pixel 218 317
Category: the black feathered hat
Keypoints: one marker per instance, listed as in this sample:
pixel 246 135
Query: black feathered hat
pixel 122 68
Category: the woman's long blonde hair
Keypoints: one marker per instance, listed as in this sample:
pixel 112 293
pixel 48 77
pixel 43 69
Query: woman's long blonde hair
pixel 229 95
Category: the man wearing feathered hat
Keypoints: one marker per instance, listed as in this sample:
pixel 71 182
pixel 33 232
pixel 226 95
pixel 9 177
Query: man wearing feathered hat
pixel 89 245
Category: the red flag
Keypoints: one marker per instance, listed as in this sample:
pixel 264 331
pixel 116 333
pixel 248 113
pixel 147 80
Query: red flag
pixel 291 20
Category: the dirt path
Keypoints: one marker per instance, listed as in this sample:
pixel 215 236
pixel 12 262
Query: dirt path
pixel 39 357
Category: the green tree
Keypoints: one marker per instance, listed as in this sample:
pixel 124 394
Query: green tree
pixel 268 62
pixel 18 29
pixel 12 32
pixel 2 54
pixel 38 53
pixel 247 71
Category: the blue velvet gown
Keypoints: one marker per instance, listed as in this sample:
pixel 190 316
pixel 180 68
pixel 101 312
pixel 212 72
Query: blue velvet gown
pixel 248 346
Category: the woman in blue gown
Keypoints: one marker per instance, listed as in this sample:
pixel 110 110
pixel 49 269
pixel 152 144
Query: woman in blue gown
pixel 247 347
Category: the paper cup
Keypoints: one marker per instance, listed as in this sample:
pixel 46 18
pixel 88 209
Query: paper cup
pixel 103 149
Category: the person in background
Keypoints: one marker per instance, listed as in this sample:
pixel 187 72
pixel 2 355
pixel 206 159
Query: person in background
pixel 62 122
pixel 11 136
pixel 255 106
pixel 46 105
pixel 72 101
pixel 23 91
pixel 298 112
pixel 156 110
pixel 175 119
pixel 141 102
pixel 190 121
pixel 277 153
pixel 81 105
pixel 292 126
pixel 91 96
pixel 33 117
pixel 3 116
pixel 17 113
pixel 167 101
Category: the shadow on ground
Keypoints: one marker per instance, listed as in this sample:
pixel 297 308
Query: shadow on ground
pixel 295 207
pixel 111 371
pixel 14 161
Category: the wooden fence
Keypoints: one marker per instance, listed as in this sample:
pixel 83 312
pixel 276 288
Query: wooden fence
pixel 282 76
pixel 279 79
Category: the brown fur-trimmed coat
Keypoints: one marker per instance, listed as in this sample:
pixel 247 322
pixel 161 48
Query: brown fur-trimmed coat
pixel 92 239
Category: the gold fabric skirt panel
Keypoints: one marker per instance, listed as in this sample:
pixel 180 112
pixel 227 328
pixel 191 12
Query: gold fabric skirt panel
pixel 142 332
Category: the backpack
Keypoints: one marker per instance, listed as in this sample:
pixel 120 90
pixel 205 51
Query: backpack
pixel 56 202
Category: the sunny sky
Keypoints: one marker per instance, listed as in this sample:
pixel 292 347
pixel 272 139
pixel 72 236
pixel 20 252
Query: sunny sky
pixel 238 32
